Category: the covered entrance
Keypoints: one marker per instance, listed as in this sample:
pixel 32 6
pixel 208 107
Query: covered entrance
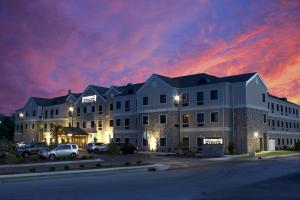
pixel 74 135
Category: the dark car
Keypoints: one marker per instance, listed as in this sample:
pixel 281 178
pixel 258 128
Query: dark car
pixel 127 148
pixel 31 148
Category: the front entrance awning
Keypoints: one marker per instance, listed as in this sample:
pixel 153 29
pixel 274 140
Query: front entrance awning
pixel 74 131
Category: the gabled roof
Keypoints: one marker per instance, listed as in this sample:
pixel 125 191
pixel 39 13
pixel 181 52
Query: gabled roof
pixel 129 89
pixel 100 90
pixel 203 78
pixel 53 101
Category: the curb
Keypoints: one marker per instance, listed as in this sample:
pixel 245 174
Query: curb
pixel 158 167
pixel 50 163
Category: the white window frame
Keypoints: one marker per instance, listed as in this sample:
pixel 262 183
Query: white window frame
pixel 197 118
pixel 116 122
pixel 126 127
pixel 218 117
pixel 197 98
pixel 197 140
pixel 100 128
pixel 182 120
pixel 119 139
pixel 143 120
pixel 166 118
pixel 127 138
pixel 166 99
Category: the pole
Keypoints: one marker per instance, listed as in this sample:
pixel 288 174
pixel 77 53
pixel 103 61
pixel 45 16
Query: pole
pixel 179 124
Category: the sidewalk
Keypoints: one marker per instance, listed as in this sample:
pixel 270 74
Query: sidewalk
pixel 158 167
pixel 49 163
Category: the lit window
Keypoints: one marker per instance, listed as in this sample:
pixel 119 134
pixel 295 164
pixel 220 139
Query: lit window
pixel 185 120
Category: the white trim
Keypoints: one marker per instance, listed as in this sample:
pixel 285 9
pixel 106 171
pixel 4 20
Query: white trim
pixel 124 131
pixel 181 120
pixel 153 76
pixel 283 133
pixel 206 129
pixel 124 114
pixel 199 108
pixel 270 114
pixel 253 77
pixel 218 117
pixel 166 119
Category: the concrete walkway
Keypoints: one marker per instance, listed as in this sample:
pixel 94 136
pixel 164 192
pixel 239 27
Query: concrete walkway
pixel 158 167
pixel 50 163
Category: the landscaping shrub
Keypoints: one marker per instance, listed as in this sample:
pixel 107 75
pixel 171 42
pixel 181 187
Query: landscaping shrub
pixel 127 163
pixel 98 165
pixel 82 166
pixel 66 167
pixel 139 162
pixel 113 149
pixel 231 147
pixel 297 146
pixel 52 169
pixel 20 160
pixel 32 170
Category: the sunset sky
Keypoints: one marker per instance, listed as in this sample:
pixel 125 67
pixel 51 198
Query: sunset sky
pixel 49 47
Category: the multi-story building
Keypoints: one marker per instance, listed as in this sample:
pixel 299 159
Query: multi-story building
pixel 165 113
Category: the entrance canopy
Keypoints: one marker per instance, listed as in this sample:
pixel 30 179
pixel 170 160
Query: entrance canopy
pixel 74 131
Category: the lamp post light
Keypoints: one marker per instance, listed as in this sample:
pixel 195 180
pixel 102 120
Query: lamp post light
pixel 71 109
pixel 177 101
pixel 21 115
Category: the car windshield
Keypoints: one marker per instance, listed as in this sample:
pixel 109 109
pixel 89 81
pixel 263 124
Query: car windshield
pixel 52 147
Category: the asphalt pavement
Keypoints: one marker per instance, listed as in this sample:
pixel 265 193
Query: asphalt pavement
pixel 276 178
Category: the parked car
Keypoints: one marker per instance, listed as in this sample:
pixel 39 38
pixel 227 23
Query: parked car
pixel 31 148
pixel 96 147
pixel 127 148
pixel 60 150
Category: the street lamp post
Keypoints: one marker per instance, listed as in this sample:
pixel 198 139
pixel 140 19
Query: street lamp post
pixel 71 109
pixel 21 115
pixel 177 100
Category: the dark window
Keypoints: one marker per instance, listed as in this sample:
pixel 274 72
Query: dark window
pixel 286 109
pixel 278 123
pixel 45 126
pixel 264 97
pixel 26 126
pixel 93 108
pixel 118 122
pixel 32 126
pixel 111 107
pixel 17 127
pixel 46 114
pixel 185 120
pixel 145 119
pixel 273 123
pixel 84 109
pixel 51 113
pixel 265 118
pixel 83 124
pixel 70 113
pixel 162 119
pixel 282 141
pixel 290 124
pixel 118 105
pixel 199 142
pixel 92 124
pixel 290 110
pixel 277 107
pixel 278 141
pixel 163 98
pixel 163 142
pixel 127 123
pixel 51 125
pixel 145 142
pixel 100 109
pixel 286 124
pixel 78 111
pixel 33 113
pixel 200 119
pixel 77 124
pixel 111 123
pixel 185 99
pixel 214 117
pixel 100 124
pixel 281 123
pixel 118 140
pixel 26 114
pixel 214 94
pixel 145 101
pixel 269 122
pixel 56 111
pixel 126 140
pixel 69 124
pixel 200 98
pixel 127 105
pixel 272 106
pixel 281 108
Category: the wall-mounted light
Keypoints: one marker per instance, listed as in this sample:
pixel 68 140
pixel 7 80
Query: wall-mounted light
pixel 255 134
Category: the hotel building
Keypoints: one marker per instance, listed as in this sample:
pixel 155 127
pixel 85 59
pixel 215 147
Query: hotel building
pixel 163 113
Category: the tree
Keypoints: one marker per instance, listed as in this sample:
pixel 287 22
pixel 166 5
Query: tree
pixel 231 147
pixel 6 127
pixel 56 131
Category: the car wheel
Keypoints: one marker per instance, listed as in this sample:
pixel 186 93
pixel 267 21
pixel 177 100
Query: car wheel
pixel 52 157
pixel 89 151
pixel 96 151
pixel 73 155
